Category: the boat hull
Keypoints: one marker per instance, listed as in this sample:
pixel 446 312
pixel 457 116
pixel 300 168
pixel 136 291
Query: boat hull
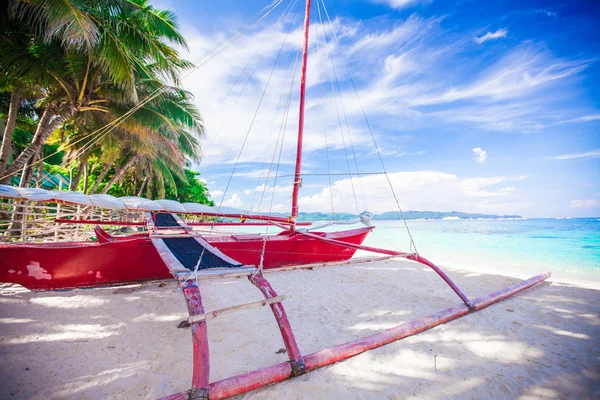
pixel 53 266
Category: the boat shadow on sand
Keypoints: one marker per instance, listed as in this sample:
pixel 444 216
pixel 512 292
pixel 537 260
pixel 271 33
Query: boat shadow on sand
pixel 124 342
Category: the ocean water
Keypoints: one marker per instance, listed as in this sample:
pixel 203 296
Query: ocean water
pixel 569 248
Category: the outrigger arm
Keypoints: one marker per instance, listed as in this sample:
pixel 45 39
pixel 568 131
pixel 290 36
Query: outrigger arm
pixel 409 256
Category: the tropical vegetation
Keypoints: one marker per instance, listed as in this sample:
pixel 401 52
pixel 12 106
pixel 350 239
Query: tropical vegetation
pixel 89 89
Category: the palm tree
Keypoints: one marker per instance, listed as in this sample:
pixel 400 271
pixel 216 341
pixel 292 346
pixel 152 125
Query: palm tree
pixel 94 62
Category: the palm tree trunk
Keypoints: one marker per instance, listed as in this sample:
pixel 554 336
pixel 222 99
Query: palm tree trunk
pixel 119 173
pixel 105 168
pixel 144 182
pixel 75 182
pixel 48 123
pixel 9 129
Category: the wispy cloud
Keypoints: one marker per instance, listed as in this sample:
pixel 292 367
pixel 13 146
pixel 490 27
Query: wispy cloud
pixel 480 155
pixel 584 204
pixel 500 33
pixel 585 118
pixel 401 4
pixel 420 190
pixel 517 74
pixel 546 12
pixel 234 201
pixel 579 156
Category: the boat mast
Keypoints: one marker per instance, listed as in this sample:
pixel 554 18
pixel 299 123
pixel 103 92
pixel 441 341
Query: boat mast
pixel 297 177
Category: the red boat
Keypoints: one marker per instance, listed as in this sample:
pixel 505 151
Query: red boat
pixel 51 266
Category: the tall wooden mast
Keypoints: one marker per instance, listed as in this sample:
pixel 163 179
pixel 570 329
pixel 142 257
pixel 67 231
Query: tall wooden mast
pixel 297 177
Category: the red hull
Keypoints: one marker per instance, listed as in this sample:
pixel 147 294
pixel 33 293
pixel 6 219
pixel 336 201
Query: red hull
pixel 51 266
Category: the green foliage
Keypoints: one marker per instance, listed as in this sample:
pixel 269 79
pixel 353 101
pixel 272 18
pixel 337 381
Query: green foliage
pixel 94 61
pixel 125 188
pixel 191 190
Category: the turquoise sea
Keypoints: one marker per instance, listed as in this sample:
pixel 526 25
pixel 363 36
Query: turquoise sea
pixel 570 248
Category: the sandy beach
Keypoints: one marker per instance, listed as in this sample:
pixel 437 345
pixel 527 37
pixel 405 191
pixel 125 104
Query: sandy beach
pixel 124 343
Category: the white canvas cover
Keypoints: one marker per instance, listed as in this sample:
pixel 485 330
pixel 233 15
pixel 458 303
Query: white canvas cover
pixel 133 203
pixel 141 204
pixel 9 192
pixel 233 211
pixel 73 198
pixel 107 201
pixel 35 194
pixel 172 206
pixel 196 208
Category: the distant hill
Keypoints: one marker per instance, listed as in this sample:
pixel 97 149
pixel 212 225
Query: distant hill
pixel 395 215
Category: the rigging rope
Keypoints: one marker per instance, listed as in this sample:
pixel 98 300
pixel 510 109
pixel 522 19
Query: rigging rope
pixel 324 123
pixel 257 109
pixel 339 92
pixel 234 104
pixel 330 58
pixel 281 96
pixel 413 247
pixel 280 136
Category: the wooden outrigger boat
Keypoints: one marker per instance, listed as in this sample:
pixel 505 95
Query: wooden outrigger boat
pixel 172 248
pixel 125 259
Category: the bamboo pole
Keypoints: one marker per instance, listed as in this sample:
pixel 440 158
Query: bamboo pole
pixel 228 310
pixel 24 220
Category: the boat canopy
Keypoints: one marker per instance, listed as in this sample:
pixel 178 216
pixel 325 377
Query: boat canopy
pixel 134 203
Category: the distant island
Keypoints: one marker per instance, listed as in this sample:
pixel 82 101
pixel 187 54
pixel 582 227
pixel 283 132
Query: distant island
pixel 395 215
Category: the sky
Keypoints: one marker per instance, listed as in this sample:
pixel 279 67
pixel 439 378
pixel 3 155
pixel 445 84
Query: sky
pixel 472 106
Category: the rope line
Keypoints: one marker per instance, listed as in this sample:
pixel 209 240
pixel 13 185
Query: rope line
pixel 324 121
pixel 339 92
pixel 337 109
pixel 281 97
pixel 257 109
pixel 281 135
pixel 413 247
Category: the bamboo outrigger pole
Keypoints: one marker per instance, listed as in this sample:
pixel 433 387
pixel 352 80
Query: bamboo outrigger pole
pixel 297 177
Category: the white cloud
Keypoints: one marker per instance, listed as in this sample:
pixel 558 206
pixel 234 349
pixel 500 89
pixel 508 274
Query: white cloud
pixel 500 33
pixel 508 189
pixel 579 156
pixel 286 189
pixel 216 193
pixel 401 4
pixel 227 122
pixel 516 75
pixel 480 155
pixel 584 118
pixel 584 204
pixel 419 190
pixel 234 201
pixel 547 12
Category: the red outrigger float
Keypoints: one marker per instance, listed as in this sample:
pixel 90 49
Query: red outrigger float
pixel 171 248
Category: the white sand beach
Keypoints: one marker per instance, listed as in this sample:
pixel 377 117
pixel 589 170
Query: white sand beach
pixel 124 343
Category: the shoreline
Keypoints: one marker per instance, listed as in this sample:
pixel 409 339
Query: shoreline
pixel 475 266
pixel 123 342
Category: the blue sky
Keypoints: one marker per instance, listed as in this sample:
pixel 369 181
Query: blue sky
pixel 475 106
